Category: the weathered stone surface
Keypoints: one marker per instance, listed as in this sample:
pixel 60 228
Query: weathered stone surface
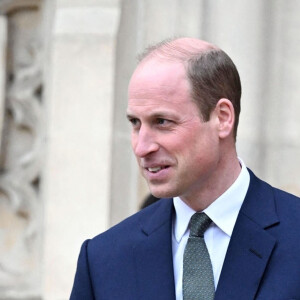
pixel 77 173
pixel 21 149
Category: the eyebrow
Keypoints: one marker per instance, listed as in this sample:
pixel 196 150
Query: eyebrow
pixel 130 116
pixel 157 114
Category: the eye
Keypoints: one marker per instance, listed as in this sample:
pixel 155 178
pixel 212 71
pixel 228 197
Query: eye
pixel 161 121
pixel 134 122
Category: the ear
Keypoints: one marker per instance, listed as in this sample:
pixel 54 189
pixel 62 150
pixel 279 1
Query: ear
pixel 225 114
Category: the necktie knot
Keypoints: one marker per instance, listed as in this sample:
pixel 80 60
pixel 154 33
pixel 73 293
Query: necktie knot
pixel 198 224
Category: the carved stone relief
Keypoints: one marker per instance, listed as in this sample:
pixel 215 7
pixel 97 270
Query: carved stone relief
pixel 20 155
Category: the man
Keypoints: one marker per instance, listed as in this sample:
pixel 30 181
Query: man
pixel 219 232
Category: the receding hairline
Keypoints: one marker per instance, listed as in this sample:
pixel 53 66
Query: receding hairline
pixel 180 49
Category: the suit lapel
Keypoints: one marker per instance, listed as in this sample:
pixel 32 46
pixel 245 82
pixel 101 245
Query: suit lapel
pixel 153 255
pixel 251 245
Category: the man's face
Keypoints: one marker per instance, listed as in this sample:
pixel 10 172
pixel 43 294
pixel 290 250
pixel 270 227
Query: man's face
pixel 176 151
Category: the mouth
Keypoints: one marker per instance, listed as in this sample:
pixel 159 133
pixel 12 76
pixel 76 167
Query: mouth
pixel 156 169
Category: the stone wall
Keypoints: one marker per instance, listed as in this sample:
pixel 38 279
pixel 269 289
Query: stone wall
pixel 67 170
pixel 21 150
pixel 79 75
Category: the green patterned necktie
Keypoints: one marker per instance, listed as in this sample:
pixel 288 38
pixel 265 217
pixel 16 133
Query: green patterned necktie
pixel 198 280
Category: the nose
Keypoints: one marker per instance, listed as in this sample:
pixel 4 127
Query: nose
pixel 144 142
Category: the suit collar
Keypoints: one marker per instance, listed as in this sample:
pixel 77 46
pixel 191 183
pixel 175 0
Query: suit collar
pixel 153 254
pixel 251 245
pixel 259 204
pixel 156 216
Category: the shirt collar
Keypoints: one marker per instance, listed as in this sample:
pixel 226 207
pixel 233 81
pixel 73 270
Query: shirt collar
pixel 183 214
pixel 223 211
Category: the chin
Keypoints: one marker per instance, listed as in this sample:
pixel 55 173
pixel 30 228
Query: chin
pixel 160 193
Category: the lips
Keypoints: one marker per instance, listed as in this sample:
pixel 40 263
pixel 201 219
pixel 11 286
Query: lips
pixel 156 169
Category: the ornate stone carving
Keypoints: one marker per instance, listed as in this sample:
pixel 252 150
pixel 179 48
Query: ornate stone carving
pixel 20 206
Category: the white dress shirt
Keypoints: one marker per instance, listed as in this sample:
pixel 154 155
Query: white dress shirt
pixel 223 212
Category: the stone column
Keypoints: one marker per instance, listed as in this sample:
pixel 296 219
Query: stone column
pixel 283 89
pixel 3 45
pixel 21 150
pixel 79 101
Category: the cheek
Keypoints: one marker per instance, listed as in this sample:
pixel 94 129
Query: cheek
pixel 200 150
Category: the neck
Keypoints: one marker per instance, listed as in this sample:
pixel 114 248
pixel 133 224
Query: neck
pixel 225 174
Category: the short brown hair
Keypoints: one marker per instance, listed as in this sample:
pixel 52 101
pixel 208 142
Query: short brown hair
pixel 213 76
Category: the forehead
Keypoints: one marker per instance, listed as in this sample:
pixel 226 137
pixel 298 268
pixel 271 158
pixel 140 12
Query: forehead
pixel 157 73
pixel 158 79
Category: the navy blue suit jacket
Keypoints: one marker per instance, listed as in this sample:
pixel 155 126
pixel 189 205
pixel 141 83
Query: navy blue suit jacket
pixel 133 260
